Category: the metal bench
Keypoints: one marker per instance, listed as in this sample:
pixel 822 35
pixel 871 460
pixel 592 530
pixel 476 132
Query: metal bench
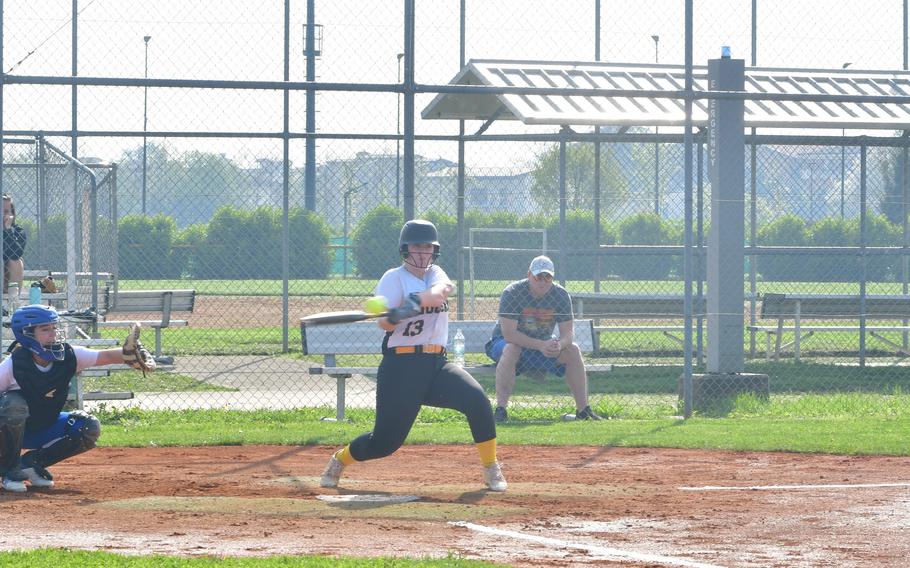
pixel 164 302
pixel 637 307
pixel 365 338
pixel 801 307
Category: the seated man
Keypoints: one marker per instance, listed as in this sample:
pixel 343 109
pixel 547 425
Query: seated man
pixel 13 246
pixel 523 341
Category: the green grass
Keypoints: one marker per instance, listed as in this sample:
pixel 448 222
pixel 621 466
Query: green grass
pixel 858 424
pixel 217 341
pixel 55 558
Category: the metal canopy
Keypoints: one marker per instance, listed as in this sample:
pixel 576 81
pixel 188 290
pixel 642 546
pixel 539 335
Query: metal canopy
pixel 571 109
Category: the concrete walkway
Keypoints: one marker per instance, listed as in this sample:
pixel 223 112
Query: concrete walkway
pixel 259 382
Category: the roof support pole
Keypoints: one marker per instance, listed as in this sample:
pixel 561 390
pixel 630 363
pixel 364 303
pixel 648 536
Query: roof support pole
pixel 863 259
pixel 461 169
pixel 687 220
pixel 563 246
pixel 726 165
pixel 309 177
pixel 408 156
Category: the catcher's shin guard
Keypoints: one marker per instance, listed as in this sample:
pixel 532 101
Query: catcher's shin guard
pixel 13 413
pixel 80 434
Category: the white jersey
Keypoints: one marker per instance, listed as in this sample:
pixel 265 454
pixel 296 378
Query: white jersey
pixel 85 358
pixel 431 326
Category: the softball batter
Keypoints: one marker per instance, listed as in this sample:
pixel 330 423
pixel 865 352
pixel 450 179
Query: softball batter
pixel 414 370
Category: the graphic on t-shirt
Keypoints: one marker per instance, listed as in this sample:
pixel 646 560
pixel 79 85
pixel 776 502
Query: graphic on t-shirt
pixel 536 321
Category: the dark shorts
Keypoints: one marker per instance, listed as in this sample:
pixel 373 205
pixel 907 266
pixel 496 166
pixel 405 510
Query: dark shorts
pixel 530 360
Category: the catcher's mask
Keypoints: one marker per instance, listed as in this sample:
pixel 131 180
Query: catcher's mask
pixel 418 231
pixel 24 321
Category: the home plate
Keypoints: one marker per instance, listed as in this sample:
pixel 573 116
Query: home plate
pixel 368 498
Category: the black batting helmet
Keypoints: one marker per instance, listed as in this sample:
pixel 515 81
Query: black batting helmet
pixel 417 231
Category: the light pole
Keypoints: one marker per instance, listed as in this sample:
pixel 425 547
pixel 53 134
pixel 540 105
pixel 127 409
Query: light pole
pixel 843 151
pixel 656 39
pixel 145 120
pixel 347 200
pixel 397 140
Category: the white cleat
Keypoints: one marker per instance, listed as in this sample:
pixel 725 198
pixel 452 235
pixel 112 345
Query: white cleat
pixel 13 485
pixel 38 476
pixel 493 478
pixel 332 473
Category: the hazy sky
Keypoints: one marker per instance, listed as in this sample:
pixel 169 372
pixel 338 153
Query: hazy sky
pixel 243 40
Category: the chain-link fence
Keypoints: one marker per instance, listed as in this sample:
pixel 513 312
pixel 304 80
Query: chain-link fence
pixel 217 149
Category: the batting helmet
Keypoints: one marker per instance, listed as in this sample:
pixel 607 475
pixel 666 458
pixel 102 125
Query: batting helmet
pixel 23 324
pixel 418 231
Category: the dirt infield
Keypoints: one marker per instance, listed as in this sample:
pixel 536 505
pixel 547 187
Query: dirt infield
pixel 578 506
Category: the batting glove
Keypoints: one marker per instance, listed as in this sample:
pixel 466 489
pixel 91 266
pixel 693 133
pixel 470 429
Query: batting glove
pixel 408 309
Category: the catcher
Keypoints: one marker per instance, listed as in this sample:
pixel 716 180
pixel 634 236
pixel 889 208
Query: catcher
pixel 34 382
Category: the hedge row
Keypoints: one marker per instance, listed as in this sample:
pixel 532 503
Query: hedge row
pixel 240 243
pixel 375 244
pixel 236 244
pixel 791 230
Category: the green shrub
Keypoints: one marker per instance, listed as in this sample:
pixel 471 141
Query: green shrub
pixel 788 230
pixel 881 232
pixel 242 244
pixel 375 241
pixel 188 244
pixel 310 255
pixel 644 229
pixel 447 226
pixel 144 247
pixel 580 237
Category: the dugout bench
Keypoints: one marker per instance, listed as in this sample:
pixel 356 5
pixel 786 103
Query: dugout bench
pixel 631 309
pixel 163 302
pixel 822 307
pixel 365 338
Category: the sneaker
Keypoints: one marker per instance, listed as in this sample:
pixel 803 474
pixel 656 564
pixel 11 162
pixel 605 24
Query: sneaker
pixel 38 476
pixel 13 485
pixel 332 473
pixel 500 414
pixel 586 414
pixel 492 477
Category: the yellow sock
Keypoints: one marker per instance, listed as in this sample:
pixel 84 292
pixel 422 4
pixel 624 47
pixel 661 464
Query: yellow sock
pixel 487 452
pixel 344 456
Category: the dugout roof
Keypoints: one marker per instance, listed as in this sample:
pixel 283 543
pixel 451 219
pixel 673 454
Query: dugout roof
pixel 568 109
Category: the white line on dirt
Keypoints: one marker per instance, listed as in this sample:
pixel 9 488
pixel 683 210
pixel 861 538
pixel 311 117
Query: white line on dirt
pixel 792 487
pixel 610 553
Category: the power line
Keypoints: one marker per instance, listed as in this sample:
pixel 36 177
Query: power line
pixel 48 38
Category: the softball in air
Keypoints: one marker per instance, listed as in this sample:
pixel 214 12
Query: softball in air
pixel 376 305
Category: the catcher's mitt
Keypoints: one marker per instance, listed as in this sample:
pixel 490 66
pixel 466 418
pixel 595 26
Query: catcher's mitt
pixel 47 285
pixel 134 354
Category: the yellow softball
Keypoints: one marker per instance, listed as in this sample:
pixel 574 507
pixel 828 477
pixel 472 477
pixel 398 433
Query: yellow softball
pixel 376 305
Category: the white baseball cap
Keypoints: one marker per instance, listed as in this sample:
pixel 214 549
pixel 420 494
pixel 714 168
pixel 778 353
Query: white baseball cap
pixel 542 264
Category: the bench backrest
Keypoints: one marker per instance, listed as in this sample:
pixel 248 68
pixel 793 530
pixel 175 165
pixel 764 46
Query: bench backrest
pixel 164 301
pixel 365 337
pixel 834 306
pixel 633 306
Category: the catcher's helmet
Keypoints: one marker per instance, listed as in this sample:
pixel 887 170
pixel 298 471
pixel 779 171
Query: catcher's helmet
pixel 23 324
pixel 417 231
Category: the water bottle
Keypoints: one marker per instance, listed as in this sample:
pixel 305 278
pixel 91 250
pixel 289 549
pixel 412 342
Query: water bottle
pixel 458 348
pixel 34 293
pixel 13 292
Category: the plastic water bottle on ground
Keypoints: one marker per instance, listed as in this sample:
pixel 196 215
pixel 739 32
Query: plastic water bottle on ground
pixel 13 293
pixel 458 348
pixel 34 293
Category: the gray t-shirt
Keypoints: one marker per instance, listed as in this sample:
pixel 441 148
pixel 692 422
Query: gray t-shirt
pixel 537 317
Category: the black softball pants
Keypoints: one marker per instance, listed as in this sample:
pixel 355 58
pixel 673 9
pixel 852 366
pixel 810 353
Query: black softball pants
pixel 406 382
